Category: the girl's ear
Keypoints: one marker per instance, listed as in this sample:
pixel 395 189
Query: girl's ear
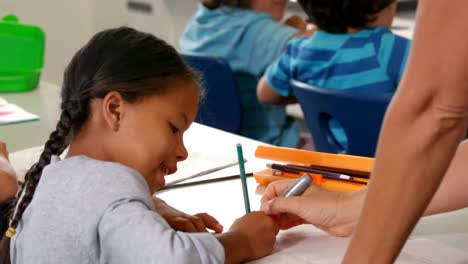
pixel 113 109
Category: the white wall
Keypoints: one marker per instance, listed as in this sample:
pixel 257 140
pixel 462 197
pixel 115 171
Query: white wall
pixel 168 18
pixel 109 14
pixel 69 24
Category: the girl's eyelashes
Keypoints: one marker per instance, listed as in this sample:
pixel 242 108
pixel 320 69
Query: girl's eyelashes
pixel 173 128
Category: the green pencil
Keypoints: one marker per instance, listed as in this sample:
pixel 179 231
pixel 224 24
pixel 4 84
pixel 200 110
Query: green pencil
pixel 245 191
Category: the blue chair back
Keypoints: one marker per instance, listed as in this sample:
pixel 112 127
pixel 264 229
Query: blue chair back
pixel 221 107
pixel 359 115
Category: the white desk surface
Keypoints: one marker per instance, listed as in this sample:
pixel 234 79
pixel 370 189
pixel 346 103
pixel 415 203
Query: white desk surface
pixel 44 102
pixel 224 200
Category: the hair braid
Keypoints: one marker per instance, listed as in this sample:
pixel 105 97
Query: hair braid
pixel 54 146
pixel 132 63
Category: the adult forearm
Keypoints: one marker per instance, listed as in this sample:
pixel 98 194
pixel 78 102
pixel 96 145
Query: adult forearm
pixel 422 129
pixel 413 155
pixel 451 194
pixel 400 190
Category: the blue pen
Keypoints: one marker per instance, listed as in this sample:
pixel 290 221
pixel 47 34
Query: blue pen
pixel 299 186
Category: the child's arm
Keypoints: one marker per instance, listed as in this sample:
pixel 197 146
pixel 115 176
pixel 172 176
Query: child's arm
pixel 267 95
pixel 185 222
pixel 300 24
pixel 250 237
pixel 296 22
pixel 131 233
pixel 8 181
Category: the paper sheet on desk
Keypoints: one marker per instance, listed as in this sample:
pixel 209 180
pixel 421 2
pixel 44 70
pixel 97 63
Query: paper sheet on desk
pixel 306 244
pixel 12 114
pixel 205 154
pixel 198 164
pixel 23 160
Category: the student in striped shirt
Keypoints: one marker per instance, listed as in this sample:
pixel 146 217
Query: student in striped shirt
pixel 353 49
pixel 249 34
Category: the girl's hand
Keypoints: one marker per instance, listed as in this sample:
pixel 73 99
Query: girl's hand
pixel 250 237
pixel 185 222
pixel 335 213
pixel 296 22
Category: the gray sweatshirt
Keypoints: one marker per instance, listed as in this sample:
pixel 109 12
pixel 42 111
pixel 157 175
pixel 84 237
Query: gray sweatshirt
pixel 89 211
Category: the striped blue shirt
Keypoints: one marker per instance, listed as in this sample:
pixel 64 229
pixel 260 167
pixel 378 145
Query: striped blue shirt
pixel 370 61
pixel 250 41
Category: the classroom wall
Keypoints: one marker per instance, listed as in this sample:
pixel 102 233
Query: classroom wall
pixel 167 19
pixel 67 24
pixel 108 14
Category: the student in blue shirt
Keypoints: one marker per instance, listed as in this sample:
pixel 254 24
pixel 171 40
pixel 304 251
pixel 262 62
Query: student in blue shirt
pixel 249 34
pixel 353 49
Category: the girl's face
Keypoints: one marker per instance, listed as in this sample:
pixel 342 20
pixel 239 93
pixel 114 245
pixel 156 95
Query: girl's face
pixel 150 131
pixel 275 8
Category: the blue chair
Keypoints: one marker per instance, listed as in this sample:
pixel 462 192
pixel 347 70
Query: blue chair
pixel 221 106
pixel 360 116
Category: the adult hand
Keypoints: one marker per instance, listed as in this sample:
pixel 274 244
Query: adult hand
pixel 335 213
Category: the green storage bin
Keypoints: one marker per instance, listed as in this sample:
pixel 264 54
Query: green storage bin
pixel 21 55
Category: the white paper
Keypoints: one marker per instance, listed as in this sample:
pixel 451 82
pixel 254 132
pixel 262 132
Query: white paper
pixel 3 101
pixel 23 160
pixel 198 164
pixel 11 114
pixel 305 244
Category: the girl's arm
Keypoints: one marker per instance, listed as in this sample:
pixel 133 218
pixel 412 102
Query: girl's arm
pixel 422 129
pixel 267 95
pixel 129 232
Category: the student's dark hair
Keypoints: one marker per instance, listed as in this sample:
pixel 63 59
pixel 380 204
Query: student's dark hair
pixel 6 209
pixel 336 16
pixel 124 60
pixel 213 4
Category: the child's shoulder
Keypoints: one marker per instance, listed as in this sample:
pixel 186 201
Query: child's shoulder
pixel 231 12
pixel 97 174
pixel 299 41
